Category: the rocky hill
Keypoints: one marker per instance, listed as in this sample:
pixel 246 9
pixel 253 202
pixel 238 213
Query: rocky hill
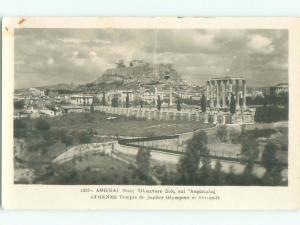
pixel 139 72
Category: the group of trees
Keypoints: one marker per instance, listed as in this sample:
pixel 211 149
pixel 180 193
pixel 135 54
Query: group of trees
pixel 274 107
pixel 272 113
pixel 195 168
pixel 19 104
pixel 143 162
pixel 196 152
pixel 42 128
pixel 23 126
pixel 272 98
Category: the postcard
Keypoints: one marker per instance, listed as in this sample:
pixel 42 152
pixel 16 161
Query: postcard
pixel 150 113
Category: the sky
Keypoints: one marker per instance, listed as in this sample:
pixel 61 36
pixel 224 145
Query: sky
pixel 51 56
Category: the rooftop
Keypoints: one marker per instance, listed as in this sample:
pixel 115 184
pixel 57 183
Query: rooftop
pixel 71 107
pixel 227 78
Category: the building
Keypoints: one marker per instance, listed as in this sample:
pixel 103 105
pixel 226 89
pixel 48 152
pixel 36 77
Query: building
pixel 46 113
pixel 82 100
pixel 280 88
pixel 71 109
pixel 36 92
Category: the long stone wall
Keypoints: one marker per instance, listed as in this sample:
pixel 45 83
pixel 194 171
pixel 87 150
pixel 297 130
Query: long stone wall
pixel 214 117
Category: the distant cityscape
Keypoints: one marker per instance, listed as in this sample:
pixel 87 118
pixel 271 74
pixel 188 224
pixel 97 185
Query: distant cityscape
pixel 140 82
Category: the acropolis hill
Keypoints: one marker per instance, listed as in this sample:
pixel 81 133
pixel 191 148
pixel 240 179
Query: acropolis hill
pixel 138 71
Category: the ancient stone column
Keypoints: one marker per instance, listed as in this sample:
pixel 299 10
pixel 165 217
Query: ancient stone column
pixel 244 94
pixel 155 96
pixel 217 94
pixel 237 97
pixel 215 119
pixel 211 87
pixel 197 117
pixel 223 93
pixel 171 100
pixel 205 118
pixel 230 85
pixel 143 113
pixel 207 90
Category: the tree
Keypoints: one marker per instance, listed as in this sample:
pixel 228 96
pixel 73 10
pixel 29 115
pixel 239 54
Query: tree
pixel 42 125
pixel 158 103
pixel 232 105
pixel 47 91
pixel 67 140
pixel 143 161
pixel 103 101
pixel 142 103
pixel 20 128
pixel 178 104
pixel 114 102
pixel 268 158
pixel 222 134
pixel 218 176
pixel 272 175
pixel 19 104
pixel 84 138
pixel 96 101
pixel 272 113
pixel 92 108
pixel 127 100
pixel 203 103
pixel 249 153
pixel 189 162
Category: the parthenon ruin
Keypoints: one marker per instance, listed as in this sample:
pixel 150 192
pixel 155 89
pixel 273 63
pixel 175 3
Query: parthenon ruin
pixel 219 91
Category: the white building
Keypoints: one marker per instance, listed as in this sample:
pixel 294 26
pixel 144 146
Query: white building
pixel 280 88
pixel 81 99
pixel 71 109
pixel 47 113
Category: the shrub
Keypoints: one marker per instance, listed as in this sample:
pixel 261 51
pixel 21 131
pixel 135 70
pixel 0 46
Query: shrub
pixel 261 132
pixel 268 114
pixel 222 134
pixel 20 128
pixel 268 158
pixel 234 136
pixel 84 138
pixel 19 104
pixel 20 124
pixel 42 125
pixel 67 140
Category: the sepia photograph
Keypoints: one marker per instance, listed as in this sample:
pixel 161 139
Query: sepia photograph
pixel 157 113
pixel 196 107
